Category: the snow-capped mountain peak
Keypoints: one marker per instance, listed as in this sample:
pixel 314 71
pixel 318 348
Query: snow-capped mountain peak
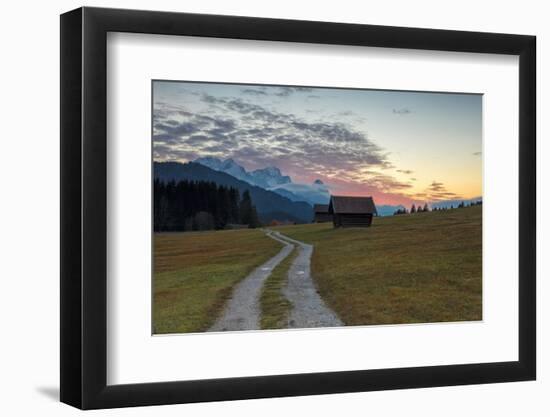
pixel 210 162
pixel 229 166
pixel 265 177
pixel 228 163
pixel 271 178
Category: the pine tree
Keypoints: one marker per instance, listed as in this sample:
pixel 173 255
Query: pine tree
pixel 413 209
pixel 245 208
pixel 176 205
pixel 203 221
pixel 426 207
pixel 234 196
pixel 223 207
pixel 254 220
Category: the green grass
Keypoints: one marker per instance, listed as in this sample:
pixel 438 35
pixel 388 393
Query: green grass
pixel 424 267
pixel 196 272
pixel 274 305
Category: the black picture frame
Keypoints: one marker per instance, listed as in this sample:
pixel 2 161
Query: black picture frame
pixel 84 207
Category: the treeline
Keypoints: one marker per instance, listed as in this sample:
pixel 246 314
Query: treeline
pixel 201 205
pixel 420 209
pixel 413 209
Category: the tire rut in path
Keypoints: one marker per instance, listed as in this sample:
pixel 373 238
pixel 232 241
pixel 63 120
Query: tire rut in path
pixel 308 308
pixel 242 311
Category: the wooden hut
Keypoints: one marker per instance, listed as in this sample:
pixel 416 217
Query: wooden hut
pixel 352 211
pixel 321 213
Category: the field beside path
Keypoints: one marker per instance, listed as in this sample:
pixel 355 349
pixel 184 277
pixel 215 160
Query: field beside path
pixel 195 272
pixel 418 268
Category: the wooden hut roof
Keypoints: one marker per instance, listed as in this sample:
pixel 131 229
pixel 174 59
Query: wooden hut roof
pixel 352 205
pixel 320 208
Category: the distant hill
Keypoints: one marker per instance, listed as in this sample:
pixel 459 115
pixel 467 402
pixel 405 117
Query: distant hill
pixel 455 203
pixel 388 210
pixel 269 205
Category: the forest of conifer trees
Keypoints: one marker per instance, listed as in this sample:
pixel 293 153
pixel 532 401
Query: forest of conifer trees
pixel 200 205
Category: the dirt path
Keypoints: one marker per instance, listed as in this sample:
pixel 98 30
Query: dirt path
pixel 242 312
pixel 309 309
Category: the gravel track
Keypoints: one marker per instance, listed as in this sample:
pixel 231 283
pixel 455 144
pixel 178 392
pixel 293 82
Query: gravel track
pixel 308 308
pixel 242 311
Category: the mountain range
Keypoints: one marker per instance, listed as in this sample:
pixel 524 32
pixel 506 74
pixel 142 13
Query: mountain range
pixel 265 178
pixel 269 205
pixel 269 188
pixel 271 179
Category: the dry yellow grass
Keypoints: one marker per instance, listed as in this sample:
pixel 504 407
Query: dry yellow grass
pixel 194 274
pixel 418 268
pixel 274 305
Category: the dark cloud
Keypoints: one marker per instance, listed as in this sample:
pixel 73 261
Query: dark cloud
pixel 231 127
pixel 224 124
pixel 162 152
pixel 180 129
pixel 197 139
pixel 165 138
pixel 336 131
pixel 214 149
pixel 207 98
pixel 282 91
pixel 403 111
pixel 286 91
pixel 436 191
pixel 193 129
pixel 254 92
pixel 346 113
pixel 218 134
pixel 477 153
pixel 387 183
pixel 405 171
pixel 436 186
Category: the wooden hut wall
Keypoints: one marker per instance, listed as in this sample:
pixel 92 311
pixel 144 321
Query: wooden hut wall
pixel 352 220
pixel 323 217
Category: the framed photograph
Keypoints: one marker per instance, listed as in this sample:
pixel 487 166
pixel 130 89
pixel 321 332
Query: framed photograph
pixel 257 208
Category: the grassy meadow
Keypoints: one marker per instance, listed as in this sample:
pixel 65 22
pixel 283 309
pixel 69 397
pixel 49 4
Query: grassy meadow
pixel 274 305
pixel 194 274
pixel 419 268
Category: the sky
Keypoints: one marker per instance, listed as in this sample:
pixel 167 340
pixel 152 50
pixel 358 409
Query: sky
pixel 399 147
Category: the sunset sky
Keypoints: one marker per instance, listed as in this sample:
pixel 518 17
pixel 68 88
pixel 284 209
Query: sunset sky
pixel 399 147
